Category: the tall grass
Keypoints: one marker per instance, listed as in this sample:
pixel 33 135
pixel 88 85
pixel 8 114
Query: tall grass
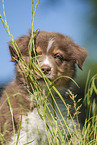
pixel 58 129
pixel 90 126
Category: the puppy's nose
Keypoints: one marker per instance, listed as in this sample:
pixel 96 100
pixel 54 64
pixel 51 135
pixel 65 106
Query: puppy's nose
pixel 46 69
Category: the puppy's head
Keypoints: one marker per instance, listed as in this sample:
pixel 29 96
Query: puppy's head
pixel 57 55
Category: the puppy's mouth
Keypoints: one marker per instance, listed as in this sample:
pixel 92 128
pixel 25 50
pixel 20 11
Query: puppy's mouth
pixel 40 78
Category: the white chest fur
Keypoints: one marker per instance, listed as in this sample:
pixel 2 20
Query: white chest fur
pixel 32 130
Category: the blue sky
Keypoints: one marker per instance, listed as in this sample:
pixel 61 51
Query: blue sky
pixel 68 17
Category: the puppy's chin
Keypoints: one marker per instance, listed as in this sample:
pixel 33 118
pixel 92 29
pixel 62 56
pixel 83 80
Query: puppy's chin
pixel 43 81
pixel 62 89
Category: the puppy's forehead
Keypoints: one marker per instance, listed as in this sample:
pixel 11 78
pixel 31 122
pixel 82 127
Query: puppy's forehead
pixel 45 46
pixel 47 41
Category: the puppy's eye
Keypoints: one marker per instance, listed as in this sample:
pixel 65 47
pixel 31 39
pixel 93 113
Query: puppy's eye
pixel 58 56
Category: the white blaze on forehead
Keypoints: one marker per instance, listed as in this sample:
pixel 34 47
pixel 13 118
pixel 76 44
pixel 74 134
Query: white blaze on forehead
pixel 50 44
pixel 47 62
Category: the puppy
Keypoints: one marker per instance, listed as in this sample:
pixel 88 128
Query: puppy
pixel 57 56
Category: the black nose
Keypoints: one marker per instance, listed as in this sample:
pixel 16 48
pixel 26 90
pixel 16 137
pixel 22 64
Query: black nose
pixel 46 69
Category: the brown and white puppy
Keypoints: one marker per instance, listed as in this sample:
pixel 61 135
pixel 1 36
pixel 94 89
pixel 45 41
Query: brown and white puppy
pixel 57 55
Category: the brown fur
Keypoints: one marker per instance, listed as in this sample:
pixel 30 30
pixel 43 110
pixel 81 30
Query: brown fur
pixel 71 52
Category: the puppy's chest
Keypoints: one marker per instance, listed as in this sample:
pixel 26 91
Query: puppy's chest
pixel 32 130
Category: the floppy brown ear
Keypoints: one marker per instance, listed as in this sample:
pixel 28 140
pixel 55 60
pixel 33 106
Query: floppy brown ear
pixel 22 43
pixel 79 54
pixel 75 51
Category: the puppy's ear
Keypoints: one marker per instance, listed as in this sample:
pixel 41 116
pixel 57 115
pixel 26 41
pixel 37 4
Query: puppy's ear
pixel 22 43
pixel 79 54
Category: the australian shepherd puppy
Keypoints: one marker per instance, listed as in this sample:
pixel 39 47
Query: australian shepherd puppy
pixel 57 55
